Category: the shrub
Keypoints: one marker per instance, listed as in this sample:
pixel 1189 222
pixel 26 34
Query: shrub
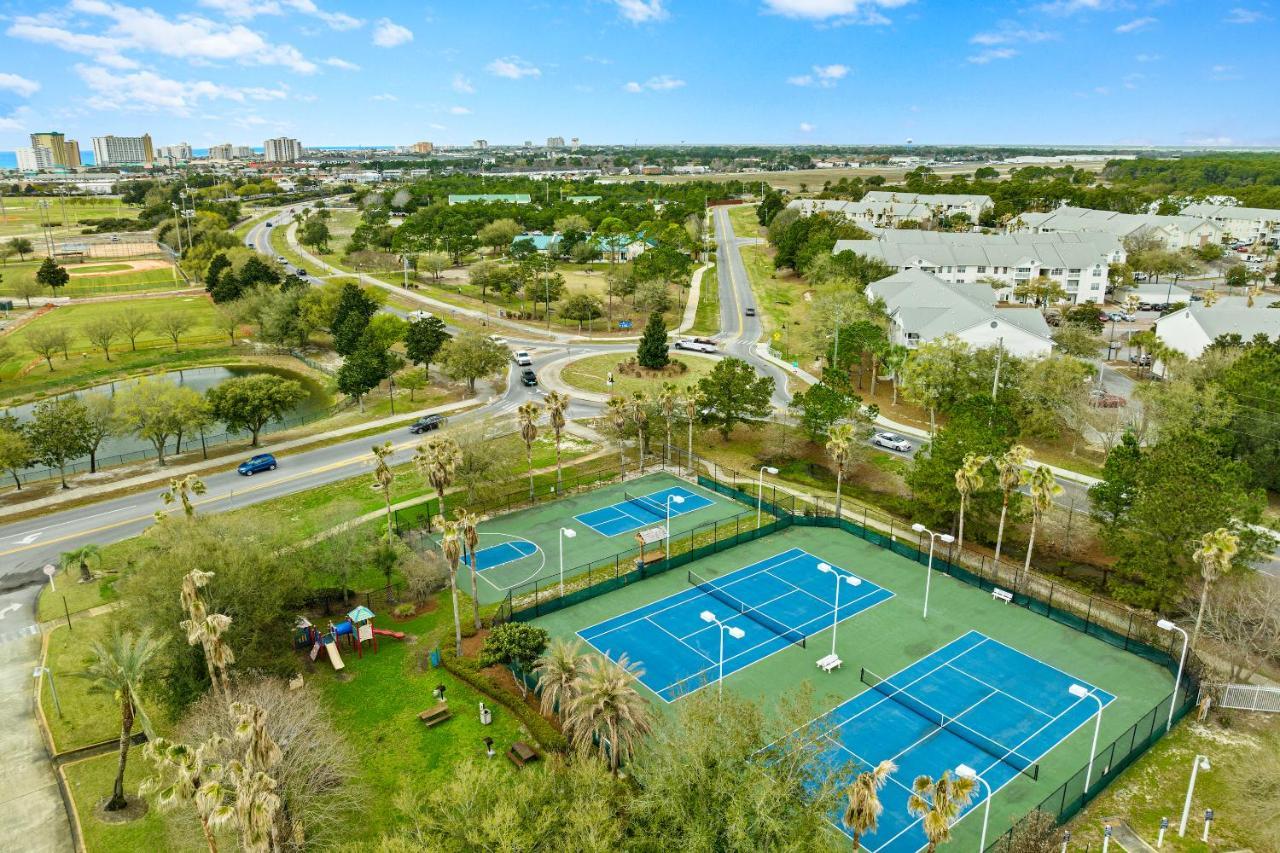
pixel 425 574
pixel 404 611
pixel 468 670
pixel 514 642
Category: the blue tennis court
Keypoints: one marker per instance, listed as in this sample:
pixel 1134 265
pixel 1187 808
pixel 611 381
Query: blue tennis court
pixel 503 553
pixel 777 603
pixel 975 701
pixel 639 511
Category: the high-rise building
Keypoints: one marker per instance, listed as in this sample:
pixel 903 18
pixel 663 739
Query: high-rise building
pixel 179 153
pixel 481 144
pixel 29 160
pixel 59 151
pixel 123 150
pixel 573 143
pixel 422 148
pixel 555 141
pixel 221 152
pixel 242 152
pixel 282 149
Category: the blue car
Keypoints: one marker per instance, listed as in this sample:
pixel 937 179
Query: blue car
pixel 261 462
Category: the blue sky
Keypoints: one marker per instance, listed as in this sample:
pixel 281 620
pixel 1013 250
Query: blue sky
pixel 1163 72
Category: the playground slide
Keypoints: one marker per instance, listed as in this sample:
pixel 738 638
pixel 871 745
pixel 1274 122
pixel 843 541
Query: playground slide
pixel 399 635
pixel 334 657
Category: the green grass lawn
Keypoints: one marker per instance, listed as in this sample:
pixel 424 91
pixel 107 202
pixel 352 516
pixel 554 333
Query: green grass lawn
pixel 780 297
pixel 94 279
pixel 706 320
pixel 71 596
pixel 23 214
pixel 90 782
pixel 87 717
pixel 745 224
pixel 280 247
pixel 591 374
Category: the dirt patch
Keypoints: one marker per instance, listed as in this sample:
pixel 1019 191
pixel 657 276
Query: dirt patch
pixel 507 681
pixel 136 808
pixel 428 607
pixel 131 267
pixel 471 645
pixel 631 367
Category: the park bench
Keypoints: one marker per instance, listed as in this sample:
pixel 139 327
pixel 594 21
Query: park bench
pixel 830 662
pixel 1002 594
pixel 436 715
pixel 521 753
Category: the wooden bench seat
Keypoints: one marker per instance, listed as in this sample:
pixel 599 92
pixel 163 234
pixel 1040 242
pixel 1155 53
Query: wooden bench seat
pixel 436 715
pixel 521 753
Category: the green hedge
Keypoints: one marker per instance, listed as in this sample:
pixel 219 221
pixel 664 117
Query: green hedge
pixel 469 671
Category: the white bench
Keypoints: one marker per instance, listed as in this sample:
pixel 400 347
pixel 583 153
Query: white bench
pixel 1002 594
pixel 829 663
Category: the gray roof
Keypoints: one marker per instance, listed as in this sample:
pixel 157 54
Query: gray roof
pixel 1223 211
pixel 903 248
pixel 1122 225
pixel 931 307
pixel 929 199
pixel 1232 314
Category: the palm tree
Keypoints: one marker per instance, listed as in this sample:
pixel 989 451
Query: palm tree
pixel 119 668
pixel 559 668
pixel 181 490
pixel 692 400
pixel 894 357
pixel 384 477
pixel 436 461
pixel 616 407
pixel 81 556
pixel 1044 488
pixel 206 630
pixel 527 415
pixel 451 547
pixel 939 802
pixel 606 715
pixel 640 414
pixel 862 815
pixel 840 445
pixel 190 775
pixel 968 480
pixel 1145 342
pixel 1217 549
pixel 667 398
pixel 556 404
pixel 467 522
pixel 1012 473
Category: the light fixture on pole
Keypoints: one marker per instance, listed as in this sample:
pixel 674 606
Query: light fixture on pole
pixel 1166 625
pixel 764 469
pixel 1201 763
pixel 676 499
pixel 841 579
pixel 964 771
pixel 733 631
pixel 1080 692
pixel 565 533
pixel 44 670
pixel 928 572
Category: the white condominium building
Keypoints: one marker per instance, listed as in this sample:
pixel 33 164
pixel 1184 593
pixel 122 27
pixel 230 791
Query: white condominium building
pixel 1246 224
pixel 1172 232
pixel 123 150
pixel 282 149
pixel 1079 262
pixel 943 204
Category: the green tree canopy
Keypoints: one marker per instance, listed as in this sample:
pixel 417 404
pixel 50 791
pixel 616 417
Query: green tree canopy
pixel 733 393
pixel 652 351
pixel 251 402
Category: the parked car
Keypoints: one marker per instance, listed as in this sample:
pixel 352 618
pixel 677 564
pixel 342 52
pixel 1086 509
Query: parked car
pixel 302 271
pixel 528 377
pixel 499 340
pixel 415 316
pixel 280 259
pixel 426 423
pixel 523 358
pixel 892 441
pixel 1140 360
pixel 694 346
pixel 1120 317
pixel 1100 399
pixel 751 312
pixel 254 464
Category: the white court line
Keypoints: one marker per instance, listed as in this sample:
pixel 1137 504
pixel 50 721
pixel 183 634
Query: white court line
pixel 681 641
pixel 995 689
pixel 841 746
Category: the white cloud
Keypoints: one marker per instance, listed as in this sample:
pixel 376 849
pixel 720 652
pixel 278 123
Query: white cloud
pixel 459 111
pixel 243 10
pixel 1223 72
pixel 337 62
pixel 992 54
pixel 660 83
pixel 385 96
pixel 1148 57
pixel 463 85
pixel 43 30
pixel 805 127
pixel 335 20
pixel 146 91
pixel 841 11
pixel 825 76
pixel 1010 33
pixel 387 33
pixel 641 11
pixel 1240 15
pixel 513 68
pixel 1071 7
pixel 1135 25
pixel 18 85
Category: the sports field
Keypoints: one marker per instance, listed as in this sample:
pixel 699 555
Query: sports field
pixel 518 549
pixel 979 682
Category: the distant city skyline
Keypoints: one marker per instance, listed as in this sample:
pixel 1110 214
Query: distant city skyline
pixel 1065 72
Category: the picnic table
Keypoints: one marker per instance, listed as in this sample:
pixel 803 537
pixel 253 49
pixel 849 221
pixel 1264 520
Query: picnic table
pixel 521 753
pixel 435 716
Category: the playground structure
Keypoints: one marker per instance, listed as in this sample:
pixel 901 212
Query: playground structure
pixel 357 628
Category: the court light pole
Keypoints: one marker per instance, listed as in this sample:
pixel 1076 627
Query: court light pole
pixel 1166 625
pixel 733 631
pixel 851 580
pixel 671 499
pixel 764 469
pixel 928 572
pixel 565 533
pixel 1201 763
pixel 964 771
pixel 1080 691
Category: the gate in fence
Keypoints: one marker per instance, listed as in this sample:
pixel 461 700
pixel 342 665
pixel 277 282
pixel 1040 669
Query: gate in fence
pixel 1250 697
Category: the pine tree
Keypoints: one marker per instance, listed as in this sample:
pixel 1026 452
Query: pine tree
pixel 652 352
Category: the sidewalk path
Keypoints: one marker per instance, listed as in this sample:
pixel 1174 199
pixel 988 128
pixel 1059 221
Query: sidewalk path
pixel 691 307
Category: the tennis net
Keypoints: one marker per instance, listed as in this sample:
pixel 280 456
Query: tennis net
pixel 789 634
pixel 952 724
pixel 650 506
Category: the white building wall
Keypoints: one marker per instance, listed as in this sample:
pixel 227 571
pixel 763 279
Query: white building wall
pixel 1181 331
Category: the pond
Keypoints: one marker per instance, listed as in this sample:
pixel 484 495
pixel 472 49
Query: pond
pixel 124 448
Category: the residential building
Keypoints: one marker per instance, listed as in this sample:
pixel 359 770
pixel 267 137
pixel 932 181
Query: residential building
pixel 225 151
pixel 58 153
pixel 1079 262
pixel 29 159
pixel 1243 224
pixel 574 143
pixel 180 153
pixel 1192 329
pixel 943 204
pixel 242 152
pixel 482 144
pixel 624 247
pixel 582 199
pixel 555 141
pixel 867 214
pixel 72 149
pixel 489 198
pixel 541 242
pixel 923 307
pixel 1172 232
pixel 281 149
pixel 422 148
pixel 123 150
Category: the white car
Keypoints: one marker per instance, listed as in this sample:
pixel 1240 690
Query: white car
pixel 499 340
pixel 523 358
pixel 892 441
pixel 695 346
pixel 415 316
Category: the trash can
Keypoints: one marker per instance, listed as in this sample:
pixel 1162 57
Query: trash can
pixel 435 658
pixel 486 716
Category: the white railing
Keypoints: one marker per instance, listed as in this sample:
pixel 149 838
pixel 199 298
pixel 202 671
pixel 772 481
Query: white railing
pixel 1251 697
